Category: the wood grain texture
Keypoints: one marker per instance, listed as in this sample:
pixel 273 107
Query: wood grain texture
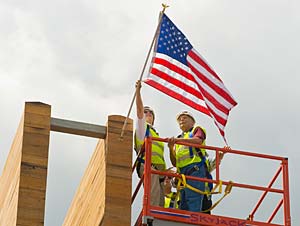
pixel 34 164
pixel 23 181
pixel 9 181
pixel 104 194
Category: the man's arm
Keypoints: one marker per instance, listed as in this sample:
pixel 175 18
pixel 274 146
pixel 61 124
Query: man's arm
pixel 139 101
pixel 171 145
pixel 140 123
pixel 193 140
pixel 198 137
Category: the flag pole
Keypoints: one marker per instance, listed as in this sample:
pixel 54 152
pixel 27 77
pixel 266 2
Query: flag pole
pixel 145 64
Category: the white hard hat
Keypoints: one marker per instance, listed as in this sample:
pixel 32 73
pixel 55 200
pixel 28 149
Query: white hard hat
pixel 185 113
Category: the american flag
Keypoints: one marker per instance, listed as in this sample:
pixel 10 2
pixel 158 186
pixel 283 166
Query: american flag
pixel 179 71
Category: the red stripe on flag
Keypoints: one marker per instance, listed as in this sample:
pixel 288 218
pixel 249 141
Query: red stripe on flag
pixel 177 96
pixel 213 101
pixel 204 64
pixel 217 89
pixel 177 83
pixel 174 68
pixel 221 132
pixel 217 117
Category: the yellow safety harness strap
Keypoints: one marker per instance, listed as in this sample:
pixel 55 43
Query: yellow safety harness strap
pixel 226 192
pixel 212 192
pixel 183 184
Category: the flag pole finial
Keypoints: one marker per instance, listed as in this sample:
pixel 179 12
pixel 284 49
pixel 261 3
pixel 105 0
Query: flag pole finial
pixel 164 7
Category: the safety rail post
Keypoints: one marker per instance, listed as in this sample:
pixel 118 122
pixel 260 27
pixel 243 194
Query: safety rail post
pixel 147 180
pixel 262 197
pixel 286 194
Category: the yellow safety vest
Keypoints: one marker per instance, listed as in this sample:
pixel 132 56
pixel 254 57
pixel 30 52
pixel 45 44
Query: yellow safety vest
pixel 171 201
pixel 186 155
pixel 157 156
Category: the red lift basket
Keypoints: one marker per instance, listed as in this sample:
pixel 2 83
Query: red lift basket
pixel 149 213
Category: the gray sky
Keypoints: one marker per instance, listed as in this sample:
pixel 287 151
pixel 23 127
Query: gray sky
pixel 83 57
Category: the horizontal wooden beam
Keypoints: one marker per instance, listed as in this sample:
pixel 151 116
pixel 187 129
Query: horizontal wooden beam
pixel 78 128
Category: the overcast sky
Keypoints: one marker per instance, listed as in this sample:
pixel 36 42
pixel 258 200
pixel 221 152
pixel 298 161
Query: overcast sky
pixel 83 58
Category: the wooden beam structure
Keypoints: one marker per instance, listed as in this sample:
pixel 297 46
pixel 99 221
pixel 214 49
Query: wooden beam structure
pixel 78 128
pixel 9 181
pixel 23 181
pixel 104 195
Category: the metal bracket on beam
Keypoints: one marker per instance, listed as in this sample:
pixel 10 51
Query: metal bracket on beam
pixel 78 128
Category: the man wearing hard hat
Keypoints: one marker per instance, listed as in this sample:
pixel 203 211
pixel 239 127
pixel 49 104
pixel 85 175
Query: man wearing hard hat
pixel 144 125
pixel 189 160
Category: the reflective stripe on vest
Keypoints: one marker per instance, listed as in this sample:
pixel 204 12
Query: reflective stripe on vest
pixel 157 156
pixel 186 155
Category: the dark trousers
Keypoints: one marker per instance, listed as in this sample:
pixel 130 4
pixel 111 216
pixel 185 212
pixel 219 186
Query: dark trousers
pixel 206 204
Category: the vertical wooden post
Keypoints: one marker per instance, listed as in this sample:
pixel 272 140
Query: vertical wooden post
pixel 104 194
pixel 118 173
pixel 23 181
